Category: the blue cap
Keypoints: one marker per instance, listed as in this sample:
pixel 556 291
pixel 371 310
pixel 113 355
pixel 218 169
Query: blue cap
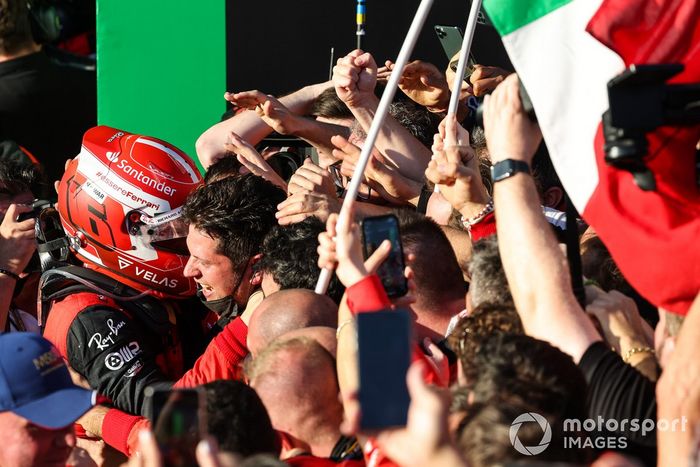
pixel 35 383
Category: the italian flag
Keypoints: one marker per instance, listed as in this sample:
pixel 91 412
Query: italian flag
pixel 565 52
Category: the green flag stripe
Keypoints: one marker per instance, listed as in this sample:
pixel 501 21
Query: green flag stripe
pixel 509 15
pixel 154 75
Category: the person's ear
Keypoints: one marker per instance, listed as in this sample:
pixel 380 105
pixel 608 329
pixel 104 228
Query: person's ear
pixel 553 197
pixel 257 275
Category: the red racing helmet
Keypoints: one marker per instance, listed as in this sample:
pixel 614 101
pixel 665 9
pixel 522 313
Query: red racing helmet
pixel 120 201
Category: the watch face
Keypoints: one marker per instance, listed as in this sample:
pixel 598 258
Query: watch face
pixel 507 168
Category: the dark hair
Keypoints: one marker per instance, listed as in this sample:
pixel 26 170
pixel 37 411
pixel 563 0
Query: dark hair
pixel 227 166
pixel 17 177
pixel 597 264
pixel 519 374
pixel 520 367
pixel 477 141
pixel 543 172
pixel 488 279
pixel 485 438
pixel 290 256
pixel 15 30
pixel 238 420
pixel 473 330
pixel 237 212
pixel 420 122
pixel 437 274
pixel 459 402
pixel 329 105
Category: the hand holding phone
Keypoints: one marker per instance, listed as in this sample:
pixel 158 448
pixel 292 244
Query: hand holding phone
pixel 374 231
pixel 178 418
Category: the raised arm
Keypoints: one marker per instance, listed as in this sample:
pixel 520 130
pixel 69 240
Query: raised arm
pixel 247 124
pixel 275 114
pixel 354 78
pixel 536 268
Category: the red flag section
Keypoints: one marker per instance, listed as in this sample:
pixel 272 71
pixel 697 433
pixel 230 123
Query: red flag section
pixel 653 236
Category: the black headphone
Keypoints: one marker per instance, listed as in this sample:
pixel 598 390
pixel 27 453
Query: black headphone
pixel 48 19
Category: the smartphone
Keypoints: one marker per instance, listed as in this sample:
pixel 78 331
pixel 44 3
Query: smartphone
pixel 384 355
pixel 451 38
pixel 374 231
pixel 178 420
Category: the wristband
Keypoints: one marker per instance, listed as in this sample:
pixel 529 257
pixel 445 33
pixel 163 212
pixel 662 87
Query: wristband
pixel 468 223
pixel 9 273
pixel 425 194
pixel 507 168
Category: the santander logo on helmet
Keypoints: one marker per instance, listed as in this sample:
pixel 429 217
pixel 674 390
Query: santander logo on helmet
pixel 117 182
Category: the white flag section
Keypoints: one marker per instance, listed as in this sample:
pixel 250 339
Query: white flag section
pixel 565 52
pixel 557 46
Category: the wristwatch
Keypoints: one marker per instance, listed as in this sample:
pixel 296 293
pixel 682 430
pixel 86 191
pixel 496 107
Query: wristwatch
pixel 507 168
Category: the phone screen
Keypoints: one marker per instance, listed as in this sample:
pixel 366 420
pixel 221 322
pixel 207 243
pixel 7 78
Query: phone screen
pixel 374 231
pixel 177 420
pixel 384 355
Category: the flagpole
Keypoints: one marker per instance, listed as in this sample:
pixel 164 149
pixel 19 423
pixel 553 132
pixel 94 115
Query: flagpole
pixel 463 57
pixel 382 109
pixel 360 17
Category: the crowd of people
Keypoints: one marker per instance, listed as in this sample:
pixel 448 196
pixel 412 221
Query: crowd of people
pixel 152 276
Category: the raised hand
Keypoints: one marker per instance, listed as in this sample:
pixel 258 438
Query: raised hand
pixel 425 85
pixel 246 99
pixel 484 79
pixel 17 240
pixel 510 134
pixel 384 72
pixel 305 204
pixel 339 248
pixel 355 77
pixel 252 161
pixel 277 116
pixel 310 177
pixel 620 321
pixel 380 175
pixel 454 168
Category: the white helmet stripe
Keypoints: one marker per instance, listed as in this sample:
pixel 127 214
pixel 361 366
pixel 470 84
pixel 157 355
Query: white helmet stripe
pixel 116 187
pixel 194 176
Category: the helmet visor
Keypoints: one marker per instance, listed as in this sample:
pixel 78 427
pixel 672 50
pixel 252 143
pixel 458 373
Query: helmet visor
pixel 164 232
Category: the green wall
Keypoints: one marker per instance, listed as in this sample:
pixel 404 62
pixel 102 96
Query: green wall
pixel 161 67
